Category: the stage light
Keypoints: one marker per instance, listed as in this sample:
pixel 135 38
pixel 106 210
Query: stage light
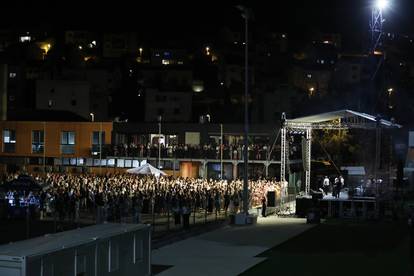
pixel 381 4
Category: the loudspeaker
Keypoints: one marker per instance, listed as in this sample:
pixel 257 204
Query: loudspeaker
pixel 271 199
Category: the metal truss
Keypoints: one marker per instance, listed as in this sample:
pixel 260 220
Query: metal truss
pixel 283 155
pixel 376 28
pixel 308 160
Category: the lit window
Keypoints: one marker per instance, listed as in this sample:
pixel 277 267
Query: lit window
pixel 97 142
pixel 25 38
pixel 309 76
pixel 9 140
pixel 165 61
pixel 180 62
pixel 38 141
pixel 50 103
pixel 12 75
pixel 67 142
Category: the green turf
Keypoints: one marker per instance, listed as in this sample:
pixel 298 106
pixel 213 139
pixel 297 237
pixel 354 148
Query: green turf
pixel 341 248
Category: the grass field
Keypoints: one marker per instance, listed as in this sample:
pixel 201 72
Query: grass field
pixel 339 248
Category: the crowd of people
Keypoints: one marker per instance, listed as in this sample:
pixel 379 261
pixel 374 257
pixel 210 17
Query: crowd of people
pixel 116 196
pixel 206 151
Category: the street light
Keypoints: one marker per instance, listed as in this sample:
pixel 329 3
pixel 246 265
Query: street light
pixel 246 15
pixel 92 117
pixel 159 141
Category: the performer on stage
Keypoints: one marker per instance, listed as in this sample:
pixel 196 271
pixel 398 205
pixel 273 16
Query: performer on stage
pixel 337 187
pixel 325 185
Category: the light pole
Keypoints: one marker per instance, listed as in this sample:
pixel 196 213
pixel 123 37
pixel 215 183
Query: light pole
pixel 246 15
pixel 92 117
pixel 44 147
pixel 159 141
pixel 221 151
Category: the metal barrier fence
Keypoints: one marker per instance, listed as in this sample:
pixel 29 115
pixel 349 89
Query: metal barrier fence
pixel 162 221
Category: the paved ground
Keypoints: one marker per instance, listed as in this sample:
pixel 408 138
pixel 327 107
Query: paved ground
pixel 226 251
pixel 342 248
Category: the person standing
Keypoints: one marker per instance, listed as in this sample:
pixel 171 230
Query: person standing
pixel 336 187
pixel 326 185
pixel 264 205
pixel 342 180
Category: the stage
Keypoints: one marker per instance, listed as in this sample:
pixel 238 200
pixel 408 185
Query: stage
pixel 344 206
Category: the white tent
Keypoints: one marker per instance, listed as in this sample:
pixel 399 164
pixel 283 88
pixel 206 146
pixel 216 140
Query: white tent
pixel 146 169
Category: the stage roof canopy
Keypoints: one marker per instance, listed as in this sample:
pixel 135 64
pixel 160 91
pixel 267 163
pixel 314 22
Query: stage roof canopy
pixel 340 119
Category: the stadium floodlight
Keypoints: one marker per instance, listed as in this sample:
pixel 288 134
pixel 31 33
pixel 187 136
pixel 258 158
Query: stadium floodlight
pixel 381 4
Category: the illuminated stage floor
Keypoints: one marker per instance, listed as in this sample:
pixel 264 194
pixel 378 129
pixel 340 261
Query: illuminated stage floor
pixel 227 251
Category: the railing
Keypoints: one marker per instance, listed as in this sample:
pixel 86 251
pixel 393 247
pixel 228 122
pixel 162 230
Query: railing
pixel 164 219
pixel 191 152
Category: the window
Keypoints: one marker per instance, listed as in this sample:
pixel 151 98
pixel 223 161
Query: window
pixel 128 163
pixel 25 38
pixel 95 137
pixel 9 140
pixel 120 163
pixel 80 162
pixel 12 75
pixel 38 141
pixel 111 162
pixel 68 142
pixel 97 142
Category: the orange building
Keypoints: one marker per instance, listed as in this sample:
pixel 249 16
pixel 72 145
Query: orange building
pixel 35 143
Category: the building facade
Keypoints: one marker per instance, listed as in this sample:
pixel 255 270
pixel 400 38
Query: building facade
pixel 47 144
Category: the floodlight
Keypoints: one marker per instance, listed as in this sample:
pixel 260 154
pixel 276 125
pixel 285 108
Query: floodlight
pixel 381 4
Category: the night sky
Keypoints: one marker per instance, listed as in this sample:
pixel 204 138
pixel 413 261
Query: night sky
pixel 166 20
